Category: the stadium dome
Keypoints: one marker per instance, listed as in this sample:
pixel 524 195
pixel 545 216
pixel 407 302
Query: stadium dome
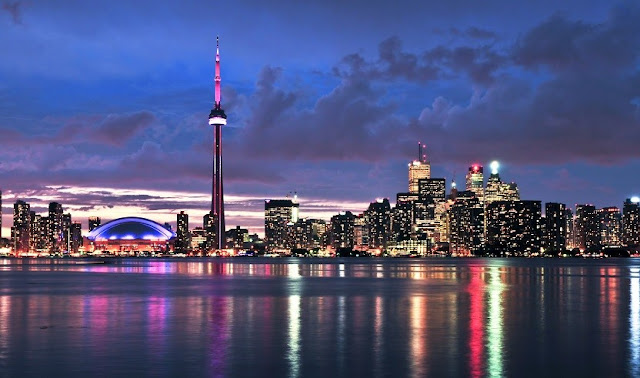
pixel 131 228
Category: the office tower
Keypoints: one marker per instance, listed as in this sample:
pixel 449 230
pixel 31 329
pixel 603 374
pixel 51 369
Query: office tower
pixel 378 220
pixel 217 119
pixel 76 237
pixel 586 228
pixel 211 232
pixel 342 230
pixel 198 238
pixel 466 224
pixel 497 190
pixel 418 169
pixel 631 223
pixel 319 233
pixel 0 215
pixel 279 215
pixel 360 232
pixel 94 222
pixel 514 227
pixel 236 237
pixel 66 233
pixel 21 230
pixel 556 227
pixel 475 181
pixel 402 217
pixel 610 221
pixel 183 242
pixel 55 226
pixel 571 234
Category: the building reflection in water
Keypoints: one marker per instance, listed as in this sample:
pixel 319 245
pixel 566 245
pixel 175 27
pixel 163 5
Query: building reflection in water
pixel 495 325
pixel 293 354
pixel 378 321
pixel 476 321
pixel 294 303
pixel 418 310
pixel 634 322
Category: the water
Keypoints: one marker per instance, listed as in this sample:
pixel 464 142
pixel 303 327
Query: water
pixel 320 318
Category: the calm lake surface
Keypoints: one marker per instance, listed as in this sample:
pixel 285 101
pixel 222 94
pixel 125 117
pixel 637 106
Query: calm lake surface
pixel 320 318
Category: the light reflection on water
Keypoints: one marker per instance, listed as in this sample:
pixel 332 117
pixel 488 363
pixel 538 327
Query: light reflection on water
pixel 634 321
pixel 308 318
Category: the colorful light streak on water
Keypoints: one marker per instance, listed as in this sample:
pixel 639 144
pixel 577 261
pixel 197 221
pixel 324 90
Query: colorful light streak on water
pixel 495 331
pixel 476 321
pixel 634 321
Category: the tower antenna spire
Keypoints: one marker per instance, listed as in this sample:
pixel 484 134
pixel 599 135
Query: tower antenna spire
pixel 217 77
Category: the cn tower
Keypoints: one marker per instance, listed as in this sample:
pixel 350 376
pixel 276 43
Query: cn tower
pixel 217 119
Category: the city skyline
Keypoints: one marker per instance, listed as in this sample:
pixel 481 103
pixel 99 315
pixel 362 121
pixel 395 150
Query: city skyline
pixel 335 122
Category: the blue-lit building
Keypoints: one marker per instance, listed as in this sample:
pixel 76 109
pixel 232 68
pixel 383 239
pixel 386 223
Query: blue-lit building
pixel 131 235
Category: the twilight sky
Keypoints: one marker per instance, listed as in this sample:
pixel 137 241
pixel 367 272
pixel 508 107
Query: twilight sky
pixel 104 105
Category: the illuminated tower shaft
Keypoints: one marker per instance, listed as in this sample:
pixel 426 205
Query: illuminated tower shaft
pixel 217 119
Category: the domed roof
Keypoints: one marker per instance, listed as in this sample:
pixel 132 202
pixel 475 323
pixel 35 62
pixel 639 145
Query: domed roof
pixel 131 228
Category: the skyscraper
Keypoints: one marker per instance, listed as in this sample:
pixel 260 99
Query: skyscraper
pixel 217 119
pixel 94 222
pixel 21 230
pixel 610 221
pixel 55 226
pixel 342 230
pixel 514 227
pixel 378 220
pixel 556 227
pixel 76 237
pixel 631 223
pixel 475 181
pixel 418 169
pixel 182 242
pixel 466 224
pixel 586 228
pixel 279 216
pixel 0 214
pixel 497 190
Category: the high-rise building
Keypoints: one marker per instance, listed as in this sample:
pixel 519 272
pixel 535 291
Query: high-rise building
pixel 319 233
pixel 571 233
pixel 514 227
pixel 21 230
pixel 199 238
pixel 610 220
pixel 342 230
pixel 182 243
pixel 360 232
pixel 378 220
pixel 217 119
pixel 402 217
pixel 0 215
pixel 279 216
pixel 76 237
pixel 475 181
pixel 210 230
pixel 586 228
pixel 66 233
pixel 94 222
pixel 236 237
pixel 466 224
pixel 556 227
pixel 631 223
pixel 418 169
pixel 56 234
pixel 497 190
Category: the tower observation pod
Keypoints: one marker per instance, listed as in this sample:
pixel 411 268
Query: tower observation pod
pixel 217 119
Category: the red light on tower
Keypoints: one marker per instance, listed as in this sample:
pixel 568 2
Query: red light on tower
pixel 476 167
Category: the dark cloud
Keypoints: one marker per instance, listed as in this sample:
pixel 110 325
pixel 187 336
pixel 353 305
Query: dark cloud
pixel 13 9
pixel 563 44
